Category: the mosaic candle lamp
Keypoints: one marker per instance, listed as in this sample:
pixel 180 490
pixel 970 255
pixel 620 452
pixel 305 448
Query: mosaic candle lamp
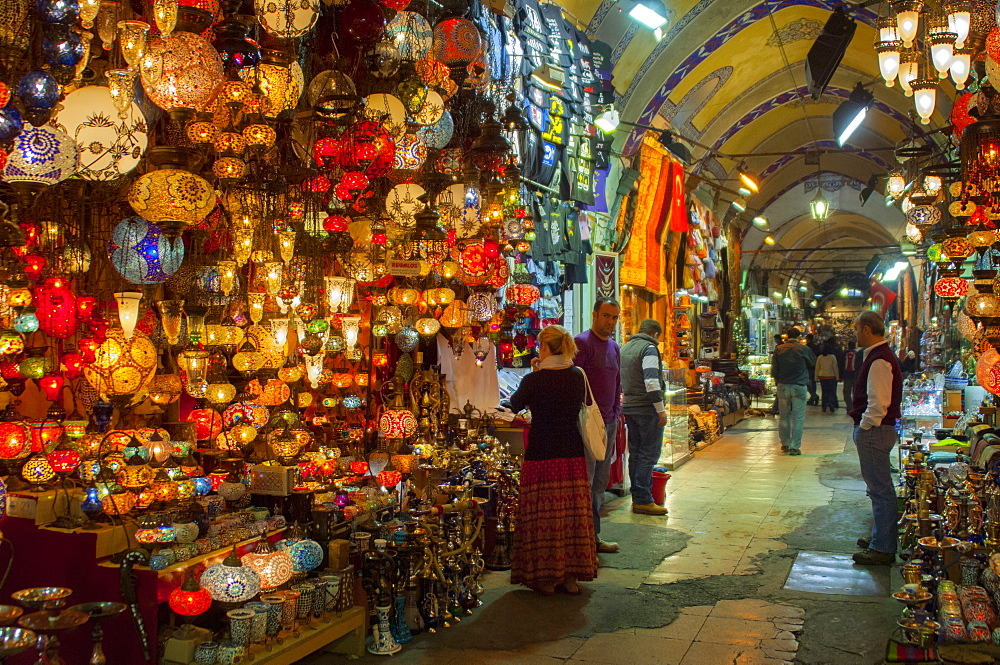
pixel 142 254
pixel 37 470
pixel 43 155
pixel 951 288
pixel 230 581
pixel 190 72
pixel 305 554
pixel 122 366
pixel 15 440
pixel 171 196
pixel 273 567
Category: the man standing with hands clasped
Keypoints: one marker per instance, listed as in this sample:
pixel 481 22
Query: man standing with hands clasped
pixel 599 356
pixel 645 415
pixel 877 396
pixel 791 368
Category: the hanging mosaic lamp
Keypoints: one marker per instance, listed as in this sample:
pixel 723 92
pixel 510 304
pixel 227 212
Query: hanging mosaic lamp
pixel 142 254
pixel 189 75
pixel 230 581
pixel 41 155
pixel 171 196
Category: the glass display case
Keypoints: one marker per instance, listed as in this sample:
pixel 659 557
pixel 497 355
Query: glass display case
pixel 758 369
pixel 922 403
pixel 676 449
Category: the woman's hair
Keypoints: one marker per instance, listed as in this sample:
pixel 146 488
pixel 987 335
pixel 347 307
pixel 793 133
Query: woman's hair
pixel 558 340
pixel 829 347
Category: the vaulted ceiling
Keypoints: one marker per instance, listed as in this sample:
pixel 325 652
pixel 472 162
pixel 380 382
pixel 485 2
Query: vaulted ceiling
pixel 730 75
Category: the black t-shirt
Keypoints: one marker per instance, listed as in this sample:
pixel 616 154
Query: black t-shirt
pixel 555 397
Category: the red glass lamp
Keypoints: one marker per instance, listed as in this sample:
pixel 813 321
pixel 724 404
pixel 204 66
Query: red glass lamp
pixel 52 385
pixel 397 424
pixel 457 42
pixel 15 440
pixel 524 295
pixel 389 478
pixel 190 599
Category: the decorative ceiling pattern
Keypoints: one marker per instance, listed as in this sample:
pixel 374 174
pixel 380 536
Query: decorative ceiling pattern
pixel 730 74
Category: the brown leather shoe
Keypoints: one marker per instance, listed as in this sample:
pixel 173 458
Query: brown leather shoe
pixel 648 509
pixel 872 557
pixel 604 547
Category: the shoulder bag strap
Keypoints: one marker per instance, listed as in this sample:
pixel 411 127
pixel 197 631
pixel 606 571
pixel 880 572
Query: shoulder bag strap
pixel 589 396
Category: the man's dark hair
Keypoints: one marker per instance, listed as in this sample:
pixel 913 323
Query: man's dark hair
pixel 793 333
pixel 650 327
pixel 778 338
pixel 852 344
pixel 605 301
pixel 809 337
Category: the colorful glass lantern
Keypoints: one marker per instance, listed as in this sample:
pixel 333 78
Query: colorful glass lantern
pixel 15 440
pixel 951 288
pixel 457 42
pixel 142 254
pixel 37 470
pixel 57 308
pixel 189 75
pixel 172 198
pixel 122 366
pixel 273 567
pixel 63 461
pixel 389 478
pixel 524 295
pixel 230 581
pixel 397 424
pixel 52 385
pixel 43 155
pixel 305 554
pixel 190 599
pixel 287 18
pixel 280 78
pixel 208 423
pixel 956 248
pixel 411 34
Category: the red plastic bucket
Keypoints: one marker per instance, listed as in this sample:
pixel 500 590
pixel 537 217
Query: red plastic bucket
pixel 659 489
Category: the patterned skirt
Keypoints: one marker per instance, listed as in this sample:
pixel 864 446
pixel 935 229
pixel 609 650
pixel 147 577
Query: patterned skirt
pixel 554 533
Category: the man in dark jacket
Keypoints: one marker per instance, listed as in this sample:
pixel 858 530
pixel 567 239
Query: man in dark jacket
pixel 816 350
pixel 792 368
pixel 645 414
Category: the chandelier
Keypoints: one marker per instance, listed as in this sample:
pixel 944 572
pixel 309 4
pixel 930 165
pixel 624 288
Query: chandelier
pixel 916 58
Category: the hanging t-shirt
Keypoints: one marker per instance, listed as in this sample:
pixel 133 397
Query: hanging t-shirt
pixel 467 381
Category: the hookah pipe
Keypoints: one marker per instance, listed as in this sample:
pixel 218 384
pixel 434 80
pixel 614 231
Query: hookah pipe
pixel 127 584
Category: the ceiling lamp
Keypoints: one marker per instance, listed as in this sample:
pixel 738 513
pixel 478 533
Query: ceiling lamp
pixel 608 120
pixel 740 203
pixel 770 240
pixel 896 184
pixel 819 207
pixel 888 60
pixel 851 113
pixel 925 98
pixel 945 31
pixel 651 13
pixel 959 19
pixel 748 183
pixel 908 19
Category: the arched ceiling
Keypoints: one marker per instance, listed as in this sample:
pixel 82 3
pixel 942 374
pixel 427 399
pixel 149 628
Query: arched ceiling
pixel 730 75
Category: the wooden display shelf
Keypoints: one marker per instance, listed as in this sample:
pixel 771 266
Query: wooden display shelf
pixel 344 635
pixel 219 554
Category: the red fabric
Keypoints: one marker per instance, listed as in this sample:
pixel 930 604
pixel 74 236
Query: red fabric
pixel 677 211
pixel 882 297
pixel 554 538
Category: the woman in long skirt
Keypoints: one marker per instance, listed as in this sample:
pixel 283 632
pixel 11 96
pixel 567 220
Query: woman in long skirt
pixel 554 533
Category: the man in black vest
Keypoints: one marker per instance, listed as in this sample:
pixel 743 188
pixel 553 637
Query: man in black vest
pixel 876 408
pixel 645 413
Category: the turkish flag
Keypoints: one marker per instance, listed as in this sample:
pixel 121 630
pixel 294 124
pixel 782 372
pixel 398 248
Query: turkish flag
pixel 678 208
pixel 882 297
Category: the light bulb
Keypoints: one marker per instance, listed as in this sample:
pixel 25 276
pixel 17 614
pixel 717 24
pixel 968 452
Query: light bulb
pixel 128 311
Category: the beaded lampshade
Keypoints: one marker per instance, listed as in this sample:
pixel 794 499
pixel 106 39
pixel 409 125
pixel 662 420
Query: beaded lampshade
pixel 457 42
pixel 273 567
pixel 230 581
pixel 15 440
pixel 43 155
pixel 190 75
pixel 142 254
pixel 37 470
pixel 171 195
pixel 397 424
pixel 122 366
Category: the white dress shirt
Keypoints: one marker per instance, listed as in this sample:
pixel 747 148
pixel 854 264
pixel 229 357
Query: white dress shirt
pixel 879 391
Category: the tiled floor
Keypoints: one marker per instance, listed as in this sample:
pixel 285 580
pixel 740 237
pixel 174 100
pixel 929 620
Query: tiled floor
pixel 734 500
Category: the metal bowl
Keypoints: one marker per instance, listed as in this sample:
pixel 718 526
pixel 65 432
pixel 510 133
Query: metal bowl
pixel 100 610
pixel 40 596
pixel 9 614
pixel 15 640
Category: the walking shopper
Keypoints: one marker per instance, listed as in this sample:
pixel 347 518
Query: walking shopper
pixel 645 415
pixel 600 357
pixel 813 395
pixel 778 341
pixel 554 540
pixel 828 375
pixel 850 374
pixel 877 396
pixel 792 370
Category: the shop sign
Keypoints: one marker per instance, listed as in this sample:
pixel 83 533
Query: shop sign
pixel 404 268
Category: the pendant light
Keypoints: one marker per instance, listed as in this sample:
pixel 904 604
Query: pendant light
pixel 819 207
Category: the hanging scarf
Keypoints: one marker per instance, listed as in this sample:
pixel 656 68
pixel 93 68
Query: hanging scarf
pixel 555 361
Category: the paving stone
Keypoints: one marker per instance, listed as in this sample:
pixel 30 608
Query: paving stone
pixel 779 655
pixel 751 608
pixel 726 630
pixel 619 649
pixel 780 645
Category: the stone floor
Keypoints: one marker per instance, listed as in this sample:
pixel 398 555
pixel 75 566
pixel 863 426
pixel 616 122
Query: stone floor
pixel 706 585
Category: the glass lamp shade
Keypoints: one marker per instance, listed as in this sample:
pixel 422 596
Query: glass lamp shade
pixel 397 424
pixel 457 42
pixel 482 306
pixel 924 98
pixel 909 70
pixel 305 554
pixel 282 84
pixel 142 254
pixel 427 326
pixel 332 94
pixel 352 327
pixel 981 238
pixel 411 152
pixel 961 67
pixel 287 18
pixel 983 305
pixel 11 343
pixel 388 111
pixel 57 308
pixel 411 34
pixel 221 393
pixel 951 288
pixel 122 366
pixel 259 136
pixel 207 422
pixel 15 440
pixel 37 470
pixel 128 311
pixel 38 90
pixel 190 75
pixel 389 478
pixel 956 248
pixel 988 370
pixel 888 60
pixel 169 196
pixel 190 603
pixel 438 134
pixel 430 111
pixel 274 568
pixel 230 581
pixel 109 146
pixel 923 216
pixel 942 52
pixel 523 294
pixel 44 155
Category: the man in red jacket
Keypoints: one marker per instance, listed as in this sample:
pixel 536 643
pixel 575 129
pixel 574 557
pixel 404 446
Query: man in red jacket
pixel 878 392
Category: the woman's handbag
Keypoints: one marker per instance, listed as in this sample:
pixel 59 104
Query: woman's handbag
pixel 592 428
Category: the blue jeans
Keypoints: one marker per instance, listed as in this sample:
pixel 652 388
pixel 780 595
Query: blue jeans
pixel 600 474
pixel 792 403
pixel 874 446
pixel 849 379
pixel 645 439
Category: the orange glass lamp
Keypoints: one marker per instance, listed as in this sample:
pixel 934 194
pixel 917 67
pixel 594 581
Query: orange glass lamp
pixel 15 440
pixel 397 423
pixel 44 433
pixel 389 478
pixel 52 385
pixel 37 470
pixel 190 599
pixel 274 568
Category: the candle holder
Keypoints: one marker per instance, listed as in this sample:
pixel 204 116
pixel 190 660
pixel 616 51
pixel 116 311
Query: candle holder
pixel 15 640
pixel 98 612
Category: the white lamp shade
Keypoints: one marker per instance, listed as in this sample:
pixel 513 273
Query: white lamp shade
pixel 352 327
pixel 287 18
pixel 109 146
pixel 958 22
pixel 961 63
pixel 128 310
pixel 908 21
pixel 888 62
